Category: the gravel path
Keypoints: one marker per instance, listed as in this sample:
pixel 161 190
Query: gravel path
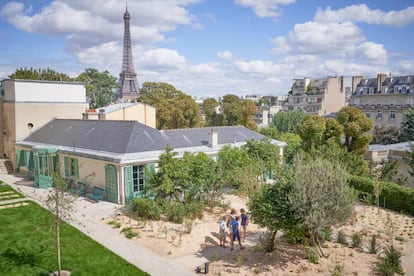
pixel 87 217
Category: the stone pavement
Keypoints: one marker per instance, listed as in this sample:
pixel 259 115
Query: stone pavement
pixel 87 217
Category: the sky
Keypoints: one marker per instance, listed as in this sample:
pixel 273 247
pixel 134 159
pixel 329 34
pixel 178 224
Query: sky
pixel 210 48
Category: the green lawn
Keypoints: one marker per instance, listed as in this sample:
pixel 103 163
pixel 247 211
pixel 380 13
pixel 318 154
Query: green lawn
pixel 28 247
pixel 5 192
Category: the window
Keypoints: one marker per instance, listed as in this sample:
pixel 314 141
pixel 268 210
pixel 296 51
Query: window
pixel 138 176
pixel 392 114
pixel 379 115
pixel 71 167
pixel 368 114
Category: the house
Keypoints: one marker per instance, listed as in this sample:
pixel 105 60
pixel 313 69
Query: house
pixel 384 99
pixel 26 105
pixel 377 153
pixel 139 112
pixel 317 96
pixel 115 155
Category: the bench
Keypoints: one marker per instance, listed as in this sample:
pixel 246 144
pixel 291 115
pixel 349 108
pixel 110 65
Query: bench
pixel 79 189
pixel 97 194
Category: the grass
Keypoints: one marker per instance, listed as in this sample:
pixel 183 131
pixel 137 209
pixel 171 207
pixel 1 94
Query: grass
pixel 7 188
pixel 28 247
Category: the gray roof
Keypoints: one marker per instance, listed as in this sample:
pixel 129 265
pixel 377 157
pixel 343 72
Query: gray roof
pixel 127 137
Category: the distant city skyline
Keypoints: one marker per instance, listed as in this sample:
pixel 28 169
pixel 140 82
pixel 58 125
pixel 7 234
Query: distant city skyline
pixel 211 48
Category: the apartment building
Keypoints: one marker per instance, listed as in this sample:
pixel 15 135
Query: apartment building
pixel 317 96
pixel 384 99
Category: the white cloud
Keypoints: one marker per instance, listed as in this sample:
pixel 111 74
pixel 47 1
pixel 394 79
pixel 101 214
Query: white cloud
pixel 264 8
pixel 321 38
pixel 372 52
pixel 362 13
pixel 225 55
pixel 162 59
pixel 262 67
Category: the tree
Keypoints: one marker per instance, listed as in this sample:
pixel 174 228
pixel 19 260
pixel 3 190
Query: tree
pixel 386 135
pixel 356 127
pixel 408 125
pixel 287 121
pixel 266 153
pixel 174 108
pixel 320 196
pixel 39 74
pixel 100 86
pixel 248 109
pixel 231 105
pixel 410 159
pixel 59 203
pixel 209 106
pixel 230 160
pixel 269 207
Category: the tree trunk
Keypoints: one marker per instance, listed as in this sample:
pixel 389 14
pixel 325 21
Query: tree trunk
pixel 273 240
pixel 316 241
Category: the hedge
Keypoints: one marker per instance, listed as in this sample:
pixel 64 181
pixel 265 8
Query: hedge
pixel 393 196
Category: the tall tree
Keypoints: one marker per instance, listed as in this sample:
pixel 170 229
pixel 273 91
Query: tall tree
pixel 408 125
pixel 175 109
pixel 209 108
pixel 100 86
pixel 247 111
pixel 39 74
pixel 266 152
pixel 320 196
pixel 356 129
pixel 230 160
pixel 231 109
pixel 287 121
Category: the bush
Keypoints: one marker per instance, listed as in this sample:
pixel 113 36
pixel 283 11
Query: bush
pixel 326 233
pixel 175 212
pixel 146 208
pixel 391 262
pixel 313 255
pixel 194 210
pixel 373 246
pixel 129 233
pixel 393 196
pixel 266 242
pixel 356 240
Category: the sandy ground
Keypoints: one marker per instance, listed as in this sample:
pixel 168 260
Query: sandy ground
pixel 164 248
pixel 201 245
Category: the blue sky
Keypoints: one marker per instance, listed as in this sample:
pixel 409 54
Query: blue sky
pixel 209 48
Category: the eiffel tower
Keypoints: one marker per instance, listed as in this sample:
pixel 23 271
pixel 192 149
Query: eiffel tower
pixel 128 78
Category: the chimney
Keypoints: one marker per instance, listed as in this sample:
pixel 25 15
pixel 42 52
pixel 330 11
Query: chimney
pixel 213 138
pixel 355 81
pixel 380 80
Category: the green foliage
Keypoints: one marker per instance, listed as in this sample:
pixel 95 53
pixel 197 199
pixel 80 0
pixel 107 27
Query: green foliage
pixel 311 130
pixel 270 132
pixel 326 233
pixel 115 224
pixel 391 262
pixel 410 159
pixel 176 212
pixel 356 129
pixel 100 86
pixel 313 255
pixel 341 238
pixel 39 74
pixel 239 112
pixel 386 135
pixel 397 197
pixel 194 210
pixel 230 160
pixel 407 125
pixel 209 108
pixel 287 121
pixel 129 233
pixel 373 245
pixel 293 146
pixel 320 195
pixel 175 109
pixel 146 208
pixel 388 169
pixel 356 240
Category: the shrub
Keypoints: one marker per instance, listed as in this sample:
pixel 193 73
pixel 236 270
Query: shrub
pixel 129 233
pixel 194 210
pixel 326 233
pixel 373 246
pixel 146 208
pixel 356 240
pixel 391 262
pixel 313 255
pixel 176 212
pixel 341 238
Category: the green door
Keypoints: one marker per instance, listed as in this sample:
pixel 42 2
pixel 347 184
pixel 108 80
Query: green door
pixel 129 184
pixel 111 183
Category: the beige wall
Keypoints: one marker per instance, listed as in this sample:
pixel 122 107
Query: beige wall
pixel 142 113
pixel 334 97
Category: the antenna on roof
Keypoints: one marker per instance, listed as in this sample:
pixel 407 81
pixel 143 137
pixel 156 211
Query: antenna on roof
pixel 126 5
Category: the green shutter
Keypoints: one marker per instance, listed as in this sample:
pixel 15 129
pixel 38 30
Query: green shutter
pixel 18 156
pixel 111 183
pixel 30 161
pixel 66 161
pixel 151 167
pixel 129 184
pixel 76 168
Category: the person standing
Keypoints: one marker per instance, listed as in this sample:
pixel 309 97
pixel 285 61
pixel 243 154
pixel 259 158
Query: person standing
pixel 235 227
pixel 223 232
pixel 230 220
pixel 244 223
